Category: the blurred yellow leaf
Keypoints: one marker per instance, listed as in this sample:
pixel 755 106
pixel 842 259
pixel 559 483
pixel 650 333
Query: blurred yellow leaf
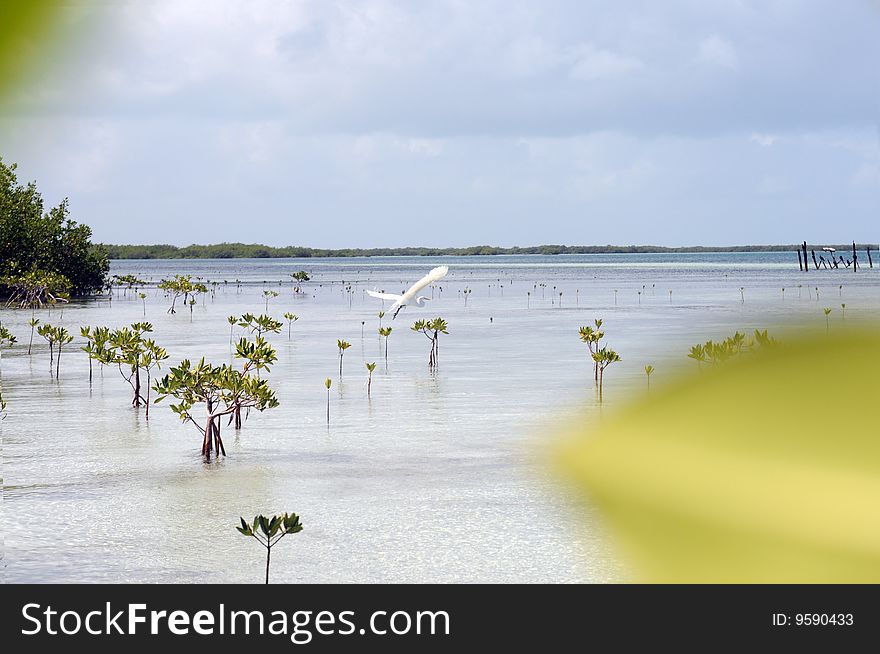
pixel 764 469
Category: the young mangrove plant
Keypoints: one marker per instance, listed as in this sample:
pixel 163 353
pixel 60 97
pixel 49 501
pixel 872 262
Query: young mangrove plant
pixel 61 338
pixel 327 384
pixel 47 331
pixel 143 298
pixel 33 322
pixel 370 368
pixel 224 391
pixel 827 312
pixel 260 325
pixel 268 531
pixel 269 295
pixel 132 354
pixel 181 286
pixel 257 355
pixel 592 335
pixel 385 332
pixel 95 340
pixel 299 278
pixel 342 346
pixel 604 357
pixel 127 282
pixel 290 318
pixel 432 330
pixel 233 321
pixel 6 340
pixel 36 289
pixel 714 353
pixel 649 370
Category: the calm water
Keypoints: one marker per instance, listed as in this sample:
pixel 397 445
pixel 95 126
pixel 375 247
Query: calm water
pixel 436 478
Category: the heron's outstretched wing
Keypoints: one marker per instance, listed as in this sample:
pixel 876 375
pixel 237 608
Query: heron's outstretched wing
pixel 384 296
pixel 436 274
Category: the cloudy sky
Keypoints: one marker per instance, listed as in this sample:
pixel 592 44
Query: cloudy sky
pixel 461 122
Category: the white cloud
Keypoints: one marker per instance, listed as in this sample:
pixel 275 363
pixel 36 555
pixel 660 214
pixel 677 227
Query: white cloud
pixel 718 51
pixel 592 63
pixel 764 140
pixel 868 175
pixel 501 120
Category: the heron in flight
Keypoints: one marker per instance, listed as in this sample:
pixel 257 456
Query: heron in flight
pixel 401 301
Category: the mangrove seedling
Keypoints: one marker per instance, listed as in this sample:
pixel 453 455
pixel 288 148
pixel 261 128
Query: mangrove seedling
pixel 268 531
pixel 35 289
pixel 342 346
pixel 232 320
pixel 126 282
pixel 385 332
pixel 327 384
pixel 95 339
pixel 291 318
pixel 649 369
pixel 843 311
pixel 143 297
pixel 715 353
pixel 381 315
pixel 604 357
pixel 62 338
pixel 222 389
pixel 181 286
pixel 33 322
pixel 47 331
pixel 432 330
pixel 299 278
pixel 6 340
pixel 827 311
pixel 742 295
pixel 259 325
pixel 269 295
pixel 370 368
pixel 129 351
pixel 591 335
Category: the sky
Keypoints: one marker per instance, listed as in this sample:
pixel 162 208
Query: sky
pixel 460 122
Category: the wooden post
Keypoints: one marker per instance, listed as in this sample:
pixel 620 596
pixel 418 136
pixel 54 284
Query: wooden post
pixel 806 267
pixel 813 252
pixel 855 257
pixel 800 265
pixel 870 261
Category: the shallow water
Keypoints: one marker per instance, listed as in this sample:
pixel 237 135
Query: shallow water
pixel 438 477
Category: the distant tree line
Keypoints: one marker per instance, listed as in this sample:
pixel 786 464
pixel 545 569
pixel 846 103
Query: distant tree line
pixel 258 251
pixel 44 249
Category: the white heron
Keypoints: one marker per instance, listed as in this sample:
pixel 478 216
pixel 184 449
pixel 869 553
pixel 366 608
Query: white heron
pixel 401 301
